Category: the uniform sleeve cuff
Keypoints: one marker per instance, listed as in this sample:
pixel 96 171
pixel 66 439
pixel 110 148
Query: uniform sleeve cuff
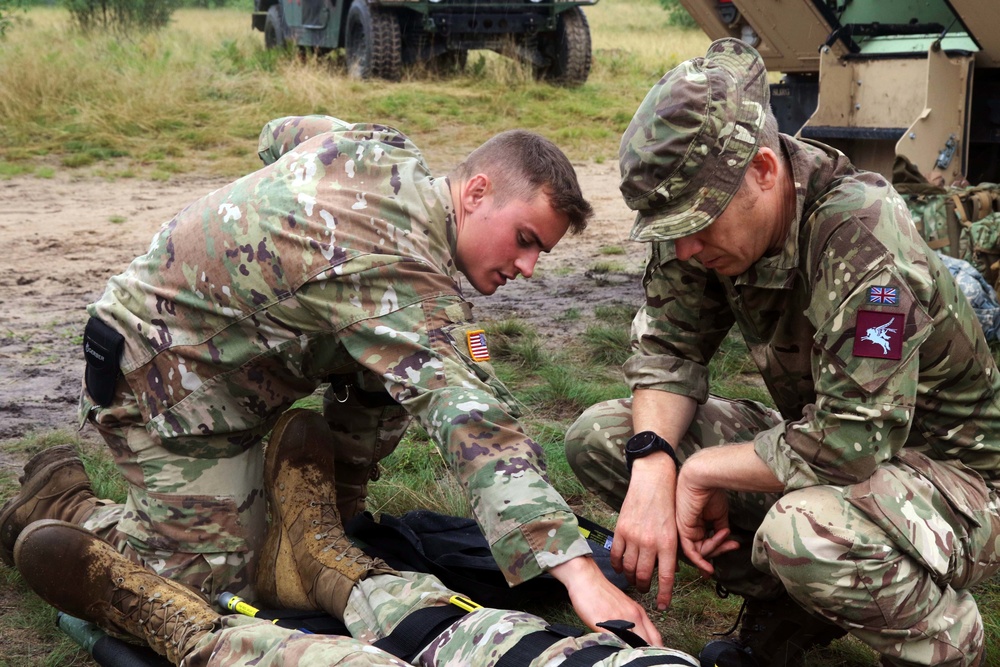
pixel 786 464
pixel 678 376
pixel 536 547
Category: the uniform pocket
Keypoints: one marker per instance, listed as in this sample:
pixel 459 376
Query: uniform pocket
pixel 927 509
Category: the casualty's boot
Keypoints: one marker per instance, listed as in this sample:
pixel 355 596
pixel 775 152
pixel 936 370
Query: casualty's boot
pixel 81 575
pixel 775 633
pixel 54 486
pixel 307 561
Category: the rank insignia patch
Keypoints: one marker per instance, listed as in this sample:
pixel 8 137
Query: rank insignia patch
pixel 884 295
pixel 879 335
pixel 477 345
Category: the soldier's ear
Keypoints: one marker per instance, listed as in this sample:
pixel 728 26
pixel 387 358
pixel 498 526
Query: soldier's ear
pixel 764 168
pixel 474 190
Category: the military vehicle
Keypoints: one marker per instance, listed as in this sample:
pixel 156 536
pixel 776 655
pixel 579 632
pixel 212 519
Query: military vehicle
pixel 880 79
pixel 379 37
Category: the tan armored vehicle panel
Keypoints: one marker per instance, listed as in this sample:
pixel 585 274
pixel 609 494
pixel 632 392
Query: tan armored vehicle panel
pixel 880 79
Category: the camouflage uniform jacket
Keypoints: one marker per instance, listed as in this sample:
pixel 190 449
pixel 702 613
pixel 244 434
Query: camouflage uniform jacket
pixel 337 257
pixel 860 333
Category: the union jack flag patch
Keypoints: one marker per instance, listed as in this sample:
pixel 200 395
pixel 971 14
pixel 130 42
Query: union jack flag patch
pixel 477 345
pixel 885 295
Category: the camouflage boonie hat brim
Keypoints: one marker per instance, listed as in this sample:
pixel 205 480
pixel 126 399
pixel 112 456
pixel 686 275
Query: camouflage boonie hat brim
pixel 685 153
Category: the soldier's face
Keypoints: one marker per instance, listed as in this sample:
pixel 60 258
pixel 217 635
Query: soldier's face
pixel 734 242
pixel 497 244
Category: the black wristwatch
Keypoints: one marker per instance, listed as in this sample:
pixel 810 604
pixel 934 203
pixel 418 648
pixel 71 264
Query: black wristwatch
pixel 644 444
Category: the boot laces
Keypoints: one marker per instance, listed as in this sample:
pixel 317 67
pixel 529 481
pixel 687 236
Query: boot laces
pixel 151 613
pixel 331 530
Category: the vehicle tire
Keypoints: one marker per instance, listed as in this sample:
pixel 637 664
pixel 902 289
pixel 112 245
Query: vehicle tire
pixel 275 33
pixel 569 53
pixel 373 44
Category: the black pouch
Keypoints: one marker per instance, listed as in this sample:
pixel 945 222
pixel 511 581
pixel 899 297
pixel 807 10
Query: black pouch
pixel 102 348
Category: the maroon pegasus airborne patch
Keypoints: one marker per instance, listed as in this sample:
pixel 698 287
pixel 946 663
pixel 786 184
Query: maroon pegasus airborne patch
pixel 879 335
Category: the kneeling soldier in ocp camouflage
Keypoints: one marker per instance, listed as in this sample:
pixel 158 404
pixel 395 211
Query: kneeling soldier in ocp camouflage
pixel 342 261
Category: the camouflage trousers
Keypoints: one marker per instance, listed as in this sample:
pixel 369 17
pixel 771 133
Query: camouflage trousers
pixel 890 559
pixel 379 604
pixel 201 521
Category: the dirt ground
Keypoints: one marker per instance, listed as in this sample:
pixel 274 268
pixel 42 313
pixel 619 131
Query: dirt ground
pixel 62 238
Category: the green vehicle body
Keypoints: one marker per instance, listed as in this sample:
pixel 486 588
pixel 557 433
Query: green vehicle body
pixel 381 36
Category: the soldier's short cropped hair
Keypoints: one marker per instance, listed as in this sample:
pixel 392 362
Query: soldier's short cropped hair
pixel 769 133
pixel 521 164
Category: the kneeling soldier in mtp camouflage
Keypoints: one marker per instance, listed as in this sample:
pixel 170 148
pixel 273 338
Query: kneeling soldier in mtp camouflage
pixel 341 261
pixel 395 618
pixel 866 503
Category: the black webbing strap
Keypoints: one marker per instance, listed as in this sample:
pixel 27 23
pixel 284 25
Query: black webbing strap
pixel 531 646
pixel 623 630
pixel 649 660
pixel 587 657
pixel 418 630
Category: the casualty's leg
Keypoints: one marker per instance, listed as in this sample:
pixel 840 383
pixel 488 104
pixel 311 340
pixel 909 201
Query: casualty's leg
pixel 125 599
pixel 482 637
pixel 308 562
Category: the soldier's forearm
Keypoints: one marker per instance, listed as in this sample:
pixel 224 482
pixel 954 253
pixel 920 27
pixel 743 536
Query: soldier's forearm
pixel 667 414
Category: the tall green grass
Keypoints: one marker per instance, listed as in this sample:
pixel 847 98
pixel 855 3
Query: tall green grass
pixel 194 96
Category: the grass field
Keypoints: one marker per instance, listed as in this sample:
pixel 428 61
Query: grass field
pixel 192 100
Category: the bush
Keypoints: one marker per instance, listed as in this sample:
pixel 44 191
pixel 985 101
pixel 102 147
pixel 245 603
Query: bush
pixel 122 16
pixel 679 17
pixel 5 9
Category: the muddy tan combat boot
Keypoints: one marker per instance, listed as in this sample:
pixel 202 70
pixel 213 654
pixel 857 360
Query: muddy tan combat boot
pixel 54 486
pixel 307 561
pixel 79 574
pixel 775 633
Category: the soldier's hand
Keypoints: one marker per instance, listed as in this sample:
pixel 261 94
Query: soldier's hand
pixel 646 532
pixel 595 599
pixel 702 522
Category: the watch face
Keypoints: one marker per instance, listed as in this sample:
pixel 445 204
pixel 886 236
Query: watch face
pixel 640 441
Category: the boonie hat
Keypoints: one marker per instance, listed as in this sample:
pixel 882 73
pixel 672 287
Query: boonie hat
pixel 685 153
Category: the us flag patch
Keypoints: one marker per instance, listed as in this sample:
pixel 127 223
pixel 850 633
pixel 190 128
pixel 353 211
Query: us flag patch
pixel 477 345
pixel 884 295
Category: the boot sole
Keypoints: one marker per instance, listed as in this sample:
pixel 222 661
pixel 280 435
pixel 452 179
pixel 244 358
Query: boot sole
pixel 38 471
